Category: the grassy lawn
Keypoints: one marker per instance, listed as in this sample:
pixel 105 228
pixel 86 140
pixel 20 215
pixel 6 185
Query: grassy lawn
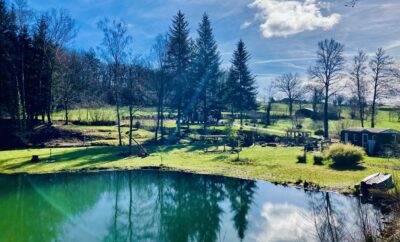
pixel 265 163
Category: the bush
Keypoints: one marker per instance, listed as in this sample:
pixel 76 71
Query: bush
pixel 301 159
pixel 318 159
pixel 345 154
pixel 319 132
pixel 137 125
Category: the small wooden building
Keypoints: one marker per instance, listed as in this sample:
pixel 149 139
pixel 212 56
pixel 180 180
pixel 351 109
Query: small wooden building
pixel 373 140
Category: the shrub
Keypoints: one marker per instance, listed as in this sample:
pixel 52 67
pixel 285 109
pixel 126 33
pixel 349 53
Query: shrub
pixel 318 159
pixel 345 154
pixel 319 132
pixel 301 159
pixel 137 125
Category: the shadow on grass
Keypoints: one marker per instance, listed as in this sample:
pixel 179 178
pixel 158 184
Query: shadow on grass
pixel 356 167
pixel 80 157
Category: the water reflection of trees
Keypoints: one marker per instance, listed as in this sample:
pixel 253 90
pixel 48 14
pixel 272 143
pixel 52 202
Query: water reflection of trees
pixel 176 207
pixel 240 193
pixel 145 206
pixel 334 223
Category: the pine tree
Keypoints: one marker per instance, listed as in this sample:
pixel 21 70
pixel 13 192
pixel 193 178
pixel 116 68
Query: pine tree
pixel 8 58
pixel 178 62
pixel 40 79
pixel 241 91
pixel 24 48
pixel 206 66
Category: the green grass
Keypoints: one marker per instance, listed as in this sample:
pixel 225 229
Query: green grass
pixel 266 163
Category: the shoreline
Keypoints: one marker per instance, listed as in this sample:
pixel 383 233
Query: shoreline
pixel 162 168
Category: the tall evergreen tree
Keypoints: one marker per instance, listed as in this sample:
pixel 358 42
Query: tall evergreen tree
pixel 8 58
pixel 241 90
pixel 178 62
pixel 40 79
pixel 206 66
pixel 24 48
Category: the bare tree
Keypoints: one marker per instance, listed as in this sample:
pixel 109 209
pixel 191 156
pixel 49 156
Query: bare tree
pixel 68 80
pixel 160 52
pixel 135 93
pixel 291 86
pixel 61 30
pixel 382 81
pixel 327 72
pixel 114 47
pixel 358 83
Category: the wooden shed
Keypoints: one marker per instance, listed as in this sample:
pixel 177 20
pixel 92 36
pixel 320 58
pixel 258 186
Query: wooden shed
pixel 372 140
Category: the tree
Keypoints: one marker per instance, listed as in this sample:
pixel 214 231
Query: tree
pixel 207 62
pixel 358 82
pixel 291 86
pixel 178 63
pixel 60 30
pixel 241 91
pixel 161 81
pixel 38 86
pixel 69 81
pixel 8 58
pixel 327 72
pixel 114 47
pixel 135 92
pixel 380 65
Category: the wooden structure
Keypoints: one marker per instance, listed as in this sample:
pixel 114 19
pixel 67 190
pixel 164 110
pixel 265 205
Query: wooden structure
pixel 373 140
pixel 378 181
pixel 298 136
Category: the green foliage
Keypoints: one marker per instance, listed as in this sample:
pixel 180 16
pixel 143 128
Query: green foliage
pixel 301 159
pixel 241 91
pixel 318 159
pixel 345 154
pixel 231 136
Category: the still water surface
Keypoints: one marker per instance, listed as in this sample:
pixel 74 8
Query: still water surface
pixel 171 206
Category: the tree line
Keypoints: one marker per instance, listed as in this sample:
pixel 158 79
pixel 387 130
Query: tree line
pixel 366 81
pixel 40 74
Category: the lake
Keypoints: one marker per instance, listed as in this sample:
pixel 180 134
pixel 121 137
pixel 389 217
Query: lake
pixel 172 206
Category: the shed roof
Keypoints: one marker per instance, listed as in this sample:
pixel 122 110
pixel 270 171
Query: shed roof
pixel 372 130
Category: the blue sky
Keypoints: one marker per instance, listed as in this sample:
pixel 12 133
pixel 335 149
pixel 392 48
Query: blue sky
pixel 281 35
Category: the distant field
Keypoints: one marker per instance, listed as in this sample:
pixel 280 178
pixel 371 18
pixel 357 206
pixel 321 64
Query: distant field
pixel 146 117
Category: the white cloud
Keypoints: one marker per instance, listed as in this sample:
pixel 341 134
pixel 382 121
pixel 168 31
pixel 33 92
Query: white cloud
pixel 245 25
pixel 289 17
pixel 284 222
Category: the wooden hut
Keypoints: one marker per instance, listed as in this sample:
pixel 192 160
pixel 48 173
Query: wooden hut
pixel 373 140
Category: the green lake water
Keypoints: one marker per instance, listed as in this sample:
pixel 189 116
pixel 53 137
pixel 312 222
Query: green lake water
pixel 171 206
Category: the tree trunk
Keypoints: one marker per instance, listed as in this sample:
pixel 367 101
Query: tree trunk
pixel 326 118
pixel 130 128
pixel 119 125
pixel 158 120
pixel 205 114
pixel 178 122
pixel 361 110
pixel 162 120
pixel 66 113
pixel 290 108
pixel 241 119
pixel 373 107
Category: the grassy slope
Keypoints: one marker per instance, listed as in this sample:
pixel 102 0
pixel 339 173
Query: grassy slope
pixel 271 164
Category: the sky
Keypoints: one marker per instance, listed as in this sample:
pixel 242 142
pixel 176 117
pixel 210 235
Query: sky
pixel 281 35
